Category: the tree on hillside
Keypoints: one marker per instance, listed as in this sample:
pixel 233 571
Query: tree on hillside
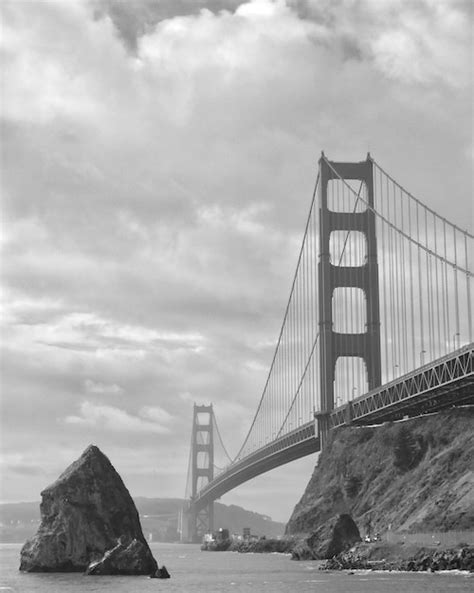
pixel 407 450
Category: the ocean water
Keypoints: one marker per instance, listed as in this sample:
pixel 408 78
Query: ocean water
pixel 193 571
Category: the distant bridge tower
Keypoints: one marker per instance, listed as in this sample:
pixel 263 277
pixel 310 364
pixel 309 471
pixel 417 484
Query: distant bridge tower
pixel 365 277
pixel 201 520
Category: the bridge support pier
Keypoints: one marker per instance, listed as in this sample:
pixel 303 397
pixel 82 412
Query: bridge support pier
pixel 322 428
pixel 201 520
pixel 331 276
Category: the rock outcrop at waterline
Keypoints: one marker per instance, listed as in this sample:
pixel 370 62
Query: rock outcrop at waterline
pixel 127 557
pixel 86 513
pixel 332 537
pixel 382 556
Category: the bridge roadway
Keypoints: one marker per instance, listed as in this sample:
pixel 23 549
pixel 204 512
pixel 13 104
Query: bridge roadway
pixel 440 384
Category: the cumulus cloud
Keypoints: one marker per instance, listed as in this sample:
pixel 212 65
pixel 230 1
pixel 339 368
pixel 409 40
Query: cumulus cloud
pixel 412 42
pixel 98 387
pixel 155 414
pixel 148 420
pixel 134 20
pixel 158 164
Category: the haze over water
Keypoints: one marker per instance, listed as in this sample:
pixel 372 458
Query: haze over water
pixel 193 571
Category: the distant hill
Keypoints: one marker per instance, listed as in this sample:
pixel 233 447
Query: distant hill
pixel 159 519
pixel 18 521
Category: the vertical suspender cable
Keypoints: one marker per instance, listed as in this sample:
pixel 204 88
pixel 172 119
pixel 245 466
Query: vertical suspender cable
pixel 412 297
pixel 309 317
pixel 437 288
pixel 456 289
pixel 429 288
pixel 403 282
pixel 468 291
pixel 420 295
pixel 316 385
pixel 391 282
pixel 383 253
pixel 398 287
pixel 447 331
pixel 312 309
pixel 300 341
pixel 295 347
pixel 307 322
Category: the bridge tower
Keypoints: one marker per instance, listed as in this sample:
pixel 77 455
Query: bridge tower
pixel 334 344
pixel 201 520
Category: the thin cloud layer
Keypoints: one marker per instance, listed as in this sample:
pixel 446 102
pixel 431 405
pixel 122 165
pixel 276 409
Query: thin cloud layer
pixel 110 418
pixel 158 164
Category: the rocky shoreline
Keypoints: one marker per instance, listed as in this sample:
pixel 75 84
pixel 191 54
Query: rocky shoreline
pixel 362 556
pixel 261 546
pixel 424 559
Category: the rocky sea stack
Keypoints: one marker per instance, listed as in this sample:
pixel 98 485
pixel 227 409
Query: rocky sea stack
pixel 88 516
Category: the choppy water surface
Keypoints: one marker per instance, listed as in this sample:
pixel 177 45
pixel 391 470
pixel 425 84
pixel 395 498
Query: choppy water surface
pixel 193 571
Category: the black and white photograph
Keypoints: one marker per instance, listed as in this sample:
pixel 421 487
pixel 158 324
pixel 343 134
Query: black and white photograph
pixel 237 259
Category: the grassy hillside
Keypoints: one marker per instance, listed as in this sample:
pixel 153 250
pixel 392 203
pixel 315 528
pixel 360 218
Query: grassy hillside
pixel 415 475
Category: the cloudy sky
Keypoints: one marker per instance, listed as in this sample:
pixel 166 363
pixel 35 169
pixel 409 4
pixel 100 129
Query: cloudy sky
pixel 158 159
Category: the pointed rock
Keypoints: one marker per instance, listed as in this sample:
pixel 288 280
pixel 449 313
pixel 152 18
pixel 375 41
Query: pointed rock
pixel 83 515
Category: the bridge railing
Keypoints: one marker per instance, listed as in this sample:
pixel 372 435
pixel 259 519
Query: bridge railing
pixel 435 375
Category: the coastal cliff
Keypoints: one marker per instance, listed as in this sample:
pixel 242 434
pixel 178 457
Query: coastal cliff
pixel 410 476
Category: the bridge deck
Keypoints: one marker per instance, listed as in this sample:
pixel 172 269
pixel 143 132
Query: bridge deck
pixel 298 443
pixel 443 383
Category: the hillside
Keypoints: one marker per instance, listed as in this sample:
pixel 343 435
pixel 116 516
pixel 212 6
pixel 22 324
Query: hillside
pixel 158 516
pixel 415 476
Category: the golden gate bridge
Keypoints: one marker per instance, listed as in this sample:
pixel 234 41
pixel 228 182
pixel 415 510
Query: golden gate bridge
pixel 378 326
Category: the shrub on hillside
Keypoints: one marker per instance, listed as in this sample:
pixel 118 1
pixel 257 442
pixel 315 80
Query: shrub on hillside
pixel 408 450
pixel 364 434
pixel 352 486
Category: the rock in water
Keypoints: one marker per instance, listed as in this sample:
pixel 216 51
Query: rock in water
pixel 84 514
pixel 161 573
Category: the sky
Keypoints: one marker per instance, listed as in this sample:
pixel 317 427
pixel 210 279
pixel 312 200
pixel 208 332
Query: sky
pixel 158 161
